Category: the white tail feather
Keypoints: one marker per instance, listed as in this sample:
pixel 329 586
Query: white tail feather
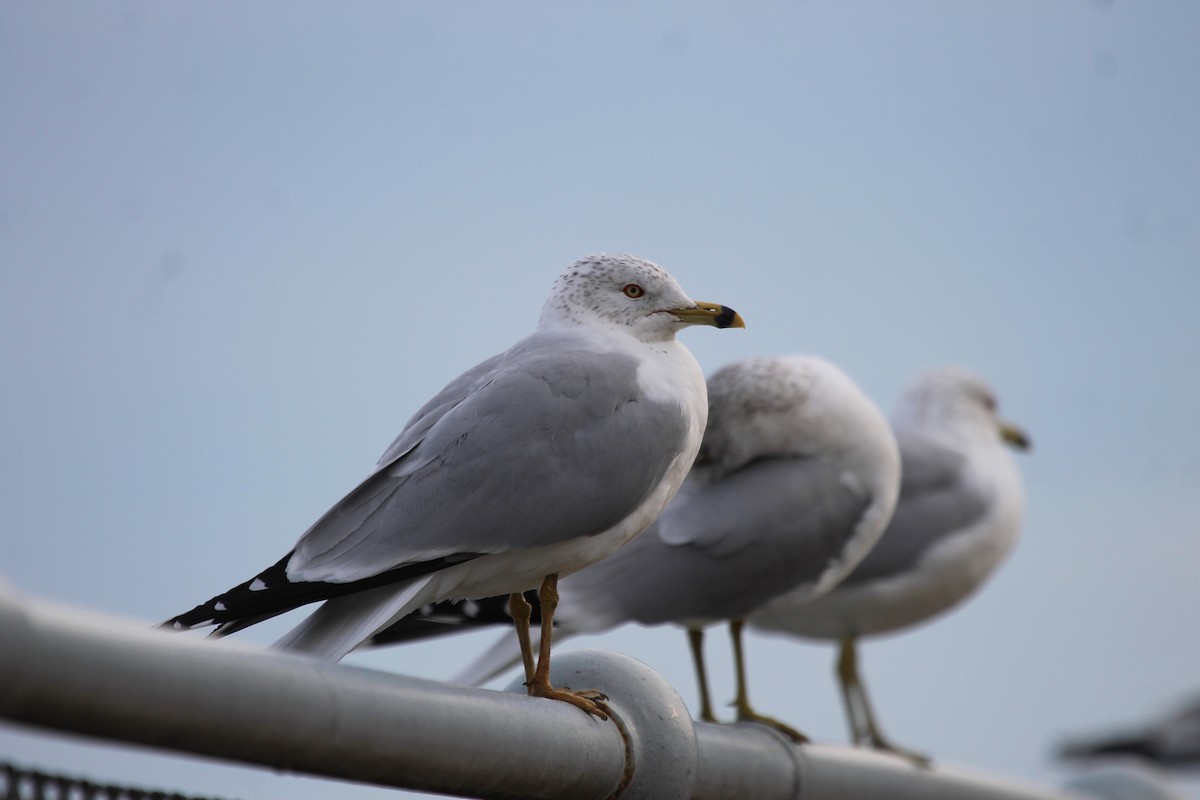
pixel 343 623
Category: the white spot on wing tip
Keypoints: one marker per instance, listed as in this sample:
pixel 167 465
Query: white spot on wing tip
pixel 471 609
pixel 257 585
pixel 177 625
pixel 219 606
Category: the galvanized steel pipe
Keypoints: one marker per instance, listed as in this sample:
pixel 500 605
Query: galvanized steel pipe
pixel 88 674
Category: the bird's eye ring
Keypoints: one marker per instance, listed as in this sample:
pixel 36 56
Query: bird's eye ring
pixel 632 290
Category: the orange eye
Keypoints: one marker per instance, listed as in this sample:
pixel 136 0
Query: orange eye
pixel 633 290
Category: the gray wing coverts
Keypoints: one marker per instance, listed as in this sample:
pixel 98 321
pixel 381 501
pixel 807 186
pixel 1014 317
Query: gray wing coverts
pixel 721 550
pixel 536 446
pixel 934 504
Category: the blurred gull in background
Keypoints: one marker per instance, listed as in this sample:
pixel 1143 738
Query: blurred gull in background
pixel 1173 741
pixel 958 516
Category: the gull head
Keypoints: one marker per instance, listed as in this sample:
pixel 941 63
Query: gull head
pixel 624 292
pixel 791 406
pixel 955 400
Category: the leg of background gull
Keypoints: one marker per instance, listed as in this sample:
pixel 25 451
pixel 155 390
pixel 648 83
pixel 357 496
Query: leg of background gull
pixel 696 640
pixel 847 673
pixel 868 728
pixel 521 612
pixel 589 701
pixel 744 712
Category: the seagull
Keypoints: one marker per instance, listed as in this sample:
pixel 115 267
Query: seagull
pixel 1173 741
pixel 959 515
pixel 531 465
pixel 796 479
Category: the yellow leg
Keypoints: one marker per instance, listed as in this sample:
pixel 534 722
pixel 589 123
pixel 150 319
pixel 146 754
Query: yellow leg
pixel 696 641
pixel 847 673
pixel 864 729
pixel 522 612
pixel 744 712
pixel 539 686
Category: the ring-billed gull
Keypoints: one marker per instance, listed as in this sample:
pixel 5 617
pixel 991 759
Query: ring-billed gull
pixel 531 465
pixel 1173 741
pixel 958 516
pixel 796 479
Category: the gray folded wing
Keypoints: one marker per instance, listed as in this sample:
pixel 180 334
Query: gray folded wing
pixel 723 549
pixel 539 445
pixel 935 504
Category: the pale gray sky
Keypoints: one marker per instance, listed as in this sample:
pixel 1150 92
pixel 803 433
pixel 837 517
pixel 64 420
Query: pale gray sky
pixel 240 243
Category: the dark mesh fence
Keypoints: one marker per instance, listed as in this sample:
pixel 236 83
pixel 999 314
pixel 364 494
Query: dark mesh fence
pixel 17 783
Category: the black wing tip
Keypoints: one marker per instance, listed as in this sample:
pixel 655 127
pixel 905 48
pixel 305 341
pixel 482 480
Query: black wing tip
pixel 186 622
pixel 270 593
pixel 205 615
pixel 235 605
pixel 452 616
pixel 1140 746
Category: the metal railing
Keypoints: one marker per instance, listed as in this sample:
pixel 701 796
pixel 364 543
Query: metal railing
pixel 84 673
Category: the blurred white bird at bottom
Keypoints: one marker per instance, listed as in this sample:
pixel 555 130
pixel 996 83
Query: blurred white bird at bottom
pixel 1127 781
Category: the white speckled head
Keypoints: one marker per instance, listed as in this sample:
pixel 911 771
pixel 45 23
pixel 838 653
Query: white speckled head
pixel 618 291
pixel 790 406
pixel 949 399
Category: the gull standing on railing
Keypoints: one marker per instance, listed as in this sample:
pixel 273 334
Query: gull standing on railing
pixel 531 465
pixel 958 516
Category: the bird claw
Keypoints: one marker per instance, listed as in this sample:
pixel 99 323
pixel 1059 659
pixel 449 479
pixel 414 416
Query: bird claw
pixel 762 719
pixel 588 700
pixel 918 759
